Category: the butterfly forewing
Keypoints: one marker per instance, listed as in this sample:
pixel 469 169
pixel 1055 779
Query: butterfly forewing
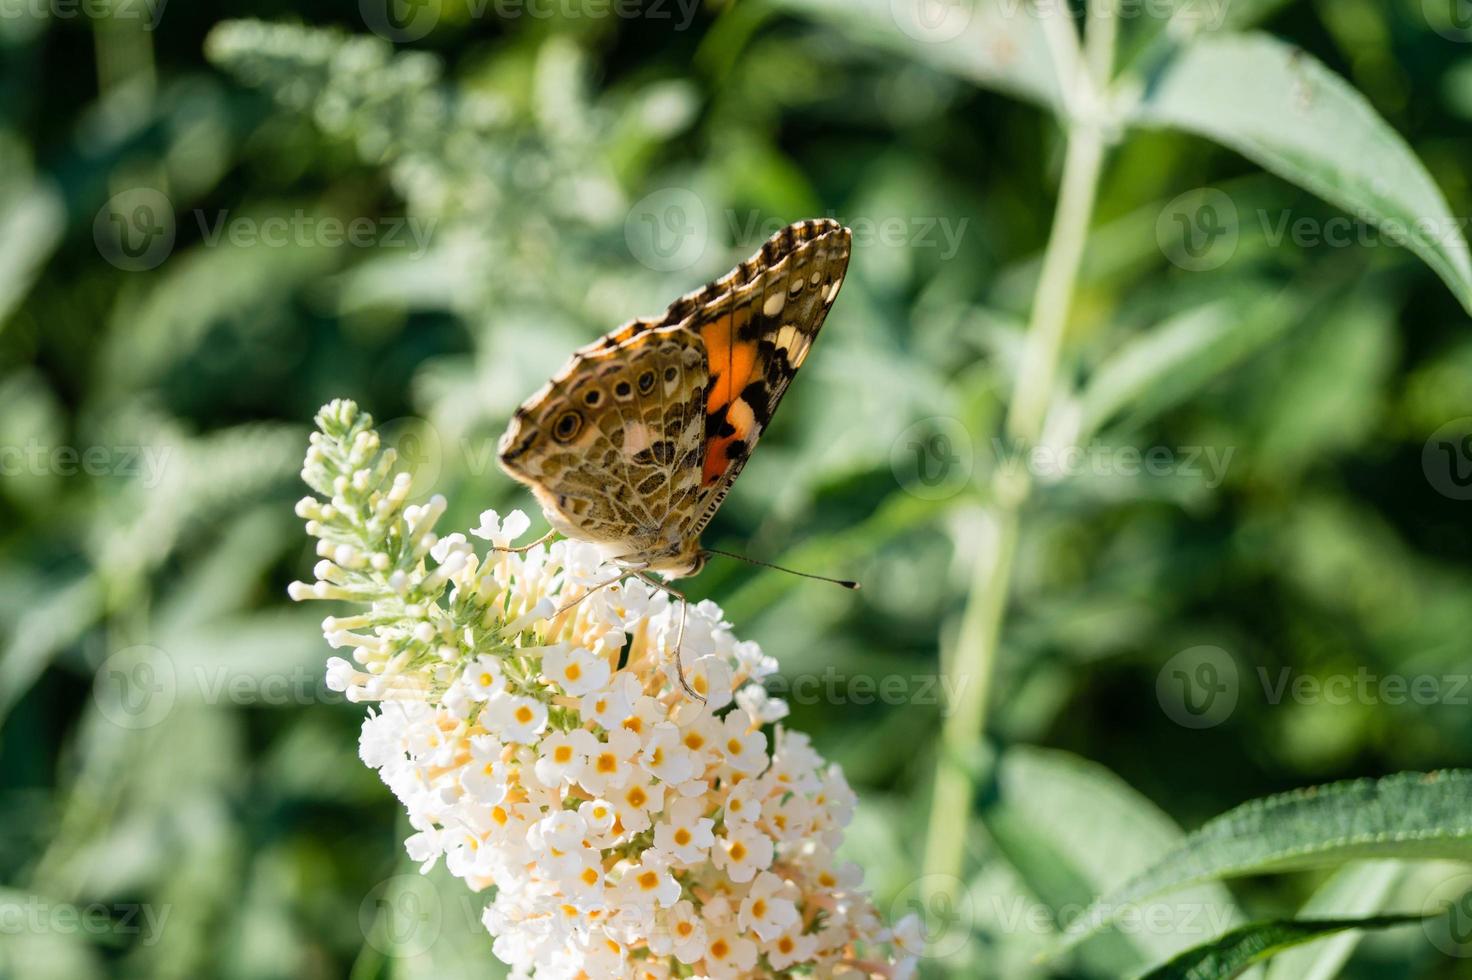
pixel 756 344
pixel 635 443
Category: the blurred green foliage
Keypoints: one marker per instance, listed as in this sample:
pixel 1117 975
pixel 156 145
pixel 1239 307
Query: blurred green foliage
pixel 527 152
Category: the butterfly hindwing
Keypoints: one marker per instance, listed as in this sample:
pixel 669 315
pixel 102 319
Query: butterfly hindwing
pixel 611 446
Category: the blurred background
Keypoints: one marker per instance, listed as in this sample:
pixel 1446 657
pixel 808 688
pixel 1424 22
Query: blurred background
pixel 214 218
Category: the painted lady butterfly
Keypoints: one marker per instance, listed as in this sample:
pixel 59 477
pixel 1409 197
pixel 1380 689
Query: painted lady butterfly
pixel 637 440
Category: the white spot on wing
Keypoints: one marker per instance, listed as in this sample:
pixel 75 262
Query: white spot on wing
pixel 636 438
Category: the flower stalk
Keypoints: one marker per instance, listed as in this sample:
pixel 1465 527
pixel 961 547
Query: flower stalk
pixel 960 762
pixel 530 720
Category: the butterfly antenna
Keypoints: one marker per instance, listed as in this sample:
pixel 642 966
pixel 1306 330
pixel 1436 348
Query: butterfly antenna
pixel 845 583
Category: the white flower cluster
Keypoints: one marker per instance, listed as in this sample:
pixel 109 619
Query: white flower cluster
pixel 530 722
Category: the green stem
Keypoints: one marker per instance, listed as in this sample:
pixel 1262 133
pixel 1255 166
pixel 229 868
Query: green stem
pixel 1038 375
pixel 972 664
pixel 1103 26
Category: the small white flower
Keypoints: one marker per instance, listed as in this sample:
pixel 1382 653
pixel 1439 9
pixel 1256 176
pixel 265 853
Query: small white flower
pixel 743 806
pixel 742 748
pixel 685 833
pixel 646 714
pixel 710 677
pixel 610 706
pixel 562 757
pixel 520 718
pixel 649 883
pixel 448 545
pixel 909 934
pixel 741 852
pixel 635 802
pixel 759 706
pixel 683 935
pixel 791 947
pixel 575 670
pixel 483 679
pixel 501 533
pixel 728 955
pixel 610 764
pixel 484 776
pixel 767 910
pixel 665 756
pixel 598 815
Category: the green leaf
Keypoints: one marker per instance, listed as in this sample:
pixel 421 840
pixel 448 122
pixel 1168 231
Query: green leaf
pixel 992 43
pixel 1032 814
pixel 1239 949
pixel 1408 815
pixel 1151 359
pixel 1354 890
pixel 1284 110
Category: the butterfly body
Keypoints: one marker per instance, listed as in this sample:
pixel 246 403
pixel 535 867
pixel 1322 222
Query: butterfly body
pixel 635 443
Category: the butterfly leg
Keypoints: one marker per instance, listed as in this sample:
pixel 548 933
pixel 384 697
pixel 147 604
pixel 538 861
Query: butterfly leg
pixel 679 634
pixel 597 588
pixel 523 549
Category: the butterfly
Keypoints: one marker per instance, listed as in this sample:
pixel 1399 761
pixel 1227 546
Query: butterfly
pixel 635 443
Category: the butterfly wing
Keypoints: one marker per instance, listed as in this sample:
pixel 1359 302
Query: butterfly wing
pixel 757 332
pixel 637 440
pixel 611 446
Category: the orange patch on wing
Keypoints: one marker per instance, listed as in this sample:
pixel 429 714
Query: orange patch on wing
pixel 716 460
pixel 717 451
pixel 729 361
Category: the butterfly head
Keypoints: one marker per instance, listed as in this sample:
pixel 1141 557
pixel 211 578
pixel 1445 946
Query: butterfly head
pixel 680 562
